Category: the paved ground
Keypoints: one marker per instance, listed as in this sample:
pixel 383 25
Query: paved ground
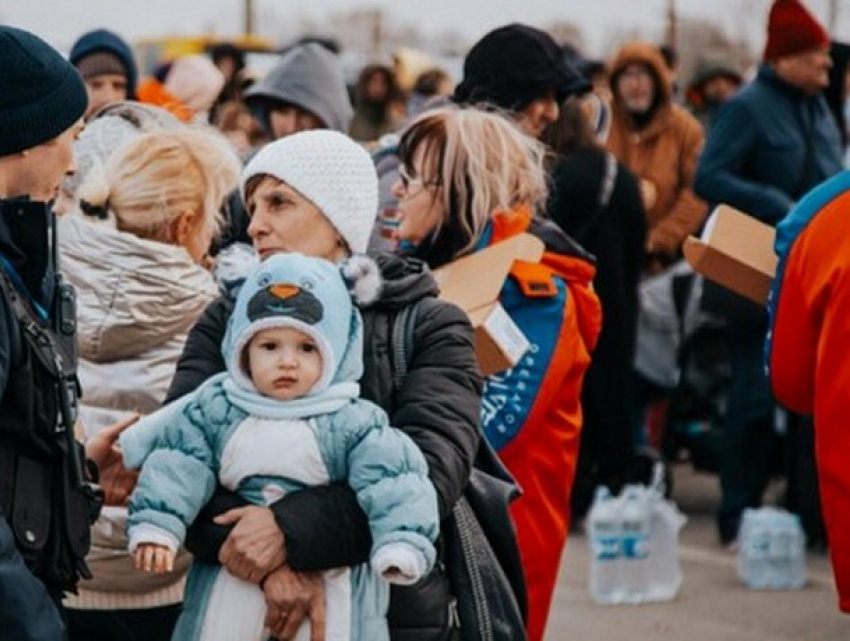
pixel 712 605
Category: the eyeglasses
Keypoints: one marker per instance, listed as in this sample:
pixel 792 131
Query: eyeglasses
pixel 407 180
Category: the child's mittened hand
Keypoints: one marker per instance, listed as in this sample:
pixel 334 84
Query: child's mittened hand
pixel 154 558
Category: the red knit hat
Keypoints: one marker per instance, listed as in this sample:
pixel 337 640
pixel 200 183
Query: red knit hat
pixel 791 30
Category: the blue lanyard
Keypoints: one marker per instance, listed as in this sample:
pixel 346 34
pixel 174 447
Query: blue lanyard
pixel 19 285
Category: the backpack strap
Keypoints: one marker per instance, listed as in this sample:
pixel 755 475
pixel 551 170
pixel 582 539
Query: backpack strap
pixel 401 336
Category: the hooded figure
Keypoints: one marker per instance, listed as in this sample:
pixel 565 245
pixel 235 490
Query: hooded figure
pixel 660 142
pixel 715 81
pixel 262 448
pixel 308 77
pixel 108 42
pixel 100 55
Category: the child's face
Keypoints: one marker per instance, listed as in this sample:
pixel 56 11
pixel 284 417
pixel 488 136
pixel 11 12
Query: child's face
pixel 283 362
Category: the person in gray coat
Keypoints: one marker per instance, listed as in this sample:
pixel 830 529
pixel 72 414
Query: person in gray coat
pixel 306 90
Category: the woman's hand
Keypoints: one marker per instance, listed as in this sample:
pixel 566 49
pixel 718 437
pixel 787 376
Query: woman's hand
pixel 117 481
pixel 292 597
pixel 255 546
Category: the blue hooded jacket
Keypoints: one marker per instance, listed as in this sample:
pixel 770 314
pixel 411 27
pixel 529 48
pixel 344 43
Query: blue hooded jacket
pixel 227 432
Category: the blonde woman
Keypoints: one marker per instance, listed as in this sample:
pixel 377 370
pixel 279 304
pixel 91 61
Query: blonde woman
pixel 141 282
pixel 470 179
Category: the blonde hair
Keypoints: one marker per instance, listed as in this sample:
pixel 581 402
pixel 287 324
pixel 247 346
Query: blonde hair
pixel 481 162
pixel 152 180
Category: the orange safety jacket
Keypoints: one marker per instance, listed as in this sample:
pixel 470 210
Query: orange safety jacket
pixel 531 414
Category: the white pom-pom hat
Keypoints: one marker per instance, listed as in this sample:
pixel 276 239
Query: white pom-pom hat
pixel 332 171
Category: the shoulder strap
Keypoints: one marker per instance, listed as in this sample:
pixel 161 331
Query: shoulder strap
pixel 404 325
pixel 606 189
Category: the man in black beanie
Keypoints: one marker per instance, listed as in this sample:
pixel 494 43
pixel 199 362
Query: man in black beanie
pixel 522 70
pixel 45 506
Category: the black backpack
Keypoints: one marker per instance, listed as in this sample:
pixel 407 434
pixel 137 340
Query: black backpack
pixel 481 552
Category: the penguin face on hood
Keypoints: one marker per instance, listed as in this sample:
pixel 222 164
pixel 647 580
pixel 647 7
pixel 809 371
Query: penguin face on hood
pixel 304 293
pixel 285 300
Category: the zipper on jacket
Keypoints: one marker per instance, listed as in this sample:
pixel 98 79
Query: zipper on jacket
pixel 479 595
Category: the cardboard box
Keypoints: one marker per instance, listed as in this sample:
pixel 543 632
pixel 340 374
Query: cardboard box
pixel 473 283
pixel 736 251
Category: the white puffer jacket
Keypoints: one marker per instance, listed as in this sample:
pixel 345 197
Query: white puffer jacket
pixel 136 301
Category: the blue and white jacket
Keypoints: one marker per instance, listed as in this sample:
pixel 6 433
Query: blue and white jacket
pixel 226 432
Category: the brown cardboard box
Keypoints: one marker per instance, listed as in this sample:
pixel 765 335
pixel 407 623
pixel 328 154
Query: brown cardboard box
pixel 736 251
pixel 473 283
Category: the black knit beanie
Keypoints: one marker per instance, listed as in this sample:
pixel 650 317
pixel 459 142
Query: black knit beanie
pixel 515 64
pixel 41 93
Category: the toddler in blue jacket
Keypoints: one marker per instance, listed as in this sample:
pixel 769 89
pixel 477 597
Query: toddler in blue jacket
pixel 286 415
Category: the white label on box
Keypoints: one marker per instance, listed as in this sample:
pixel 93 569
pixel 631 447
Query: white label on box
pixel 506 334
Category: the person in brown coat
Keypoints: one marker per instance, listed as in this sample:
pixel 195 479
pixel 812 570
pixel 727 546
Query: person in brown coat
pixel 660 142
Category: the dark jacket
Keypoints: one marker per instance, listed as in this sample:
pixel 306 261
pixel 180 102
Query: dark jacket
pixel 770 144
pixel 26 609
pixel 27 613
pixel 108 42
pixel 614 232
pixel 438 407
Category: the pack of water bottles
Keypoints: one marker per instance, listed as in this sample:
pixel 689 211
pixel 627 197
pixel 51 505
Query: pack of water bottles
pixel 634 544
pixel 771 550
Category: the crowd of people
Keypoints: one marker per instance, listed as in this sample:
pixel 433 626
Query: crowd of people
pixel 232 402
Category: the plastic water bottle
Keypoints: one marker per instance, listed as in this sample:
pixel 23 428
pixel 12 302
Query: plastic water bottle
pixel 754 547
pixel 787 552
pixel 771 552
pixel 635 572
pixel 605 546
pixel 665 571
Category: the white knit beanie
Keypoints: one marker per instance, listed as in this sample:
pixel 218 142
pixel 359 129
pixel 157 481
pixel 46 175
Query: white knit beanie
pixel 332 171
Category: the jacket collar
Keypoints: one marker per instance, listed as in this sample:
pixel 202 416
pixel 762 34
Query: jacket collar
pixel 767 74
pixel 25 231
pixel 405 280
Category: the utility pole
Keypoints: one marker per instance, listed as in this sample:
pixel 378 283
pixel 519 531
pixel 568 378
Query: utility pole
pixel 249 17
pixel 672 19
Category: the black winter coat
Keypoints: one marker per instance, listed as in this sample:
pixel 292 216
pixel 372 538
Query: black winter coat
pixel 438 407
pixel 26 608
pixel 615 233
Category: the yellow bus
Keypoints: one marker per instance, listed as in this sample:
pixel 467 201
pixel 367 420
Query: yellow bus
pixel 151 52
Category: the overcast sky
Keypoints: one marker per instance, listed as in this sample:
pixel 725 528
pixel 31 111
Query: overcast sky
pixel 61 21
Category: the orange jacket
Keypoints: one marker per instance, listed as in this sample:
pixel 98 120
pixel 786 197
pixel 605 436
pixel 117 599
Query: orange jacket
pixel 809 347
pixel 152 92
pixel 543 450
